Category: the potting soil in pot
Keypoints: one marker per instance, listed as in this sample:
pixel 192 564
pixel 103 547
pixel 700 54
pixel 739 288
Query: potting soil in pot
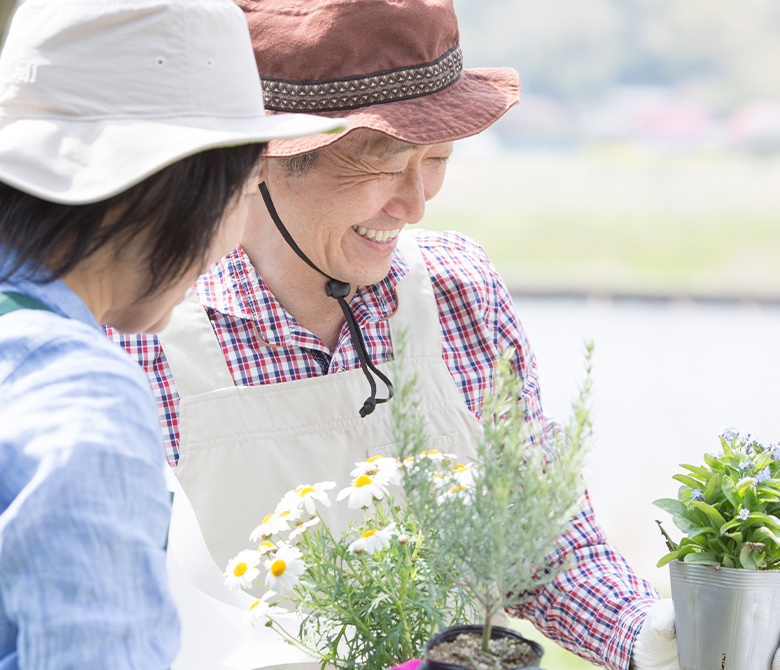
pixel 505 653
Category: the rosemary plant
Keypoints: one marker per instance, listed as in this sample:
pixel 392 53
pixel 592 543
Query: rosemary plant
pixel 493 526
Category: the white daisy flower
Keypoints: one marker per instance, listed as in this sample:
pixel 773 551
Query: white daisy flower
pixel 284 569
pixel 364 490
pixel 242 570
pixel 305 496
pixel 437 456
pixel 457 490
pixel 464 475
pixel 303 528
pixel 275 523
pixel 373 540
pixel 376 464
pixel 259 609
pixel 266 548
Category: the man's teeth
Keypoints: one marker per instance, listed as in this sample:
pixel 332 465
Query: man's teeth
pixel 376 235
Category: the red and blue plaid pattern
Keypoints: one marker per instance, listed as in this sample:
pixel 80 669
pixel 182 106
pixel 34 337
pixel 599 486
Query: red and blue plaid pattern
pixel 596 607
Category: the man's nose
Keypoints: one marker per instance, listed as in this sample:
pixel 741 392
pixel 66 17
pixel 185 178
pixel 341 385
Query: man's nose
pixel 408 200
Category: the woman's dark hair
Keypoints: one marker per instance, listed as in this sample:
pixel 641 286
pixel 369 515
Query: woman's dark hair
pixel 178 209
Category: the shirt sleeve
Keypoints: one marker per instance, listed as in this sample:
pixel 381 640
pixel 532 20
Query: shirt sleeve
pixel 596 606
pixel 147 351
pixel 83 579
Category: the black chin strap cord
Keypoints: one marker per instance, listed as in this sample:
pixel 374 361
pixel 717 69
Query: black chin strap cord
pixel 338 290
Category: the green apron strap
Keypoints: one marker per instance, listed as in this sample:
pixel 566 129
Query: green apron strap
pixel 10 302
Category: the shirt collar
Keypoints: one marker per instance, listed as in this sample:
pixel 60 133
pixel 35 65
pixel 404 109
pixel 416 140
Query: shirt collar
pixel 233 287
pixel 55 294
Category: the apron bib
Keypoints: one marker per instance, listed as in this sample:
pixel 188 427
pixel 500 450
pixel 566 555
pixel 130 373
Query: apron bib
pixel 242 448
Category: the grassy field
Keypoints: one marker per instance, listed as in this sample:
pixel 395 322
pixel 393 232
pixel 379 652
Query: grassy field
pixel 620 220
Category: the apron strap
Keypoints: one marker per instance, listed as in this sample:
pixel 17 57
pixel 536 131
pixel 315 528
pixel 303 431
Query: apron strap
pixel 11 301
pixel 417 309
pixel 193 352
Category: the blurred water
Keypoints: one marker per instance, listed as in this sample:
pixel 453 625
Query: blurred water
pixel 667 378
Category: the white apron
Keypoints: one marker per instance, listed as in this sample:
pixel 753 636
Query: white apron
pixel 242 448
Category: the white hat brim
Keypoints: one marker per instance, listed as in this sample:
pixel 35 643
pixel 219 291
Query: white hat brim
pixel 76 162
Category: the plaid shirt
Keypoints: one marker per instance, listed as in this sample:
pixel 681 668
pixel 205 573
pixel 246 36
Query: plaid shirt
pixel 596 607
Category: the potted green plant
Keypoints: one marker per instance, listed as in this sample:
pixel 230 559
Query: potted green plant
pixel 493 525
pixel 724 571
pixel 436 543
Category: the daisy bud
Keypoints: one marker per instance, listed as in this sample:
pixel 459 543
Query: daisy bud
pixel 268 623
pixel 344 575
pixel 403 539
pixel 359 550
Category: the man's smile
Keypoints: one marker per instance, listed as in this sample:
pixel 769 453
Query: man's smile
pixel 376 235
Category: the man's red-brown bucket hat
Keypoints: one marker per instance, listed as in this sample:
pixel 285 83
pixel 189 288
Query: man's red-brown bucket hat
pixel 389 65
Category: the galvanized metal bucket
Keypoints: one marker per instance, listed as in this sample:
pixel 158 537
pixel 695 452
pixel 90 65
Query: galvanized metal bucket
pixel 725 619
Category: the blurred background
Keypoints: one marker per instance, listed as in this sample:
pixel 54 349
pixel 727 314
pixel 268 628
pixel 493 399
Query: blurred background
pixel 633 199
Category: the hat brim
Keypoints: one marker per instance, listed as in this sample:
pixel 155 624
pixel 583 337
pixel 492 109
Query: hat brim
pixel 470 105
pixel 83 161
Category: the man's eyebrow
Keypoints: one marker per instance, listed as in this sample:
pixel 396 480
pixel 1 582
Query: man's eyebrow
pixel 389 147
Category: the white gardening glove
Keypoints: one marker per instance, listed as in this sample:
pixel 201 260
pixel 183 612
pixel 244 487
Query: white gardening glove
pixel 656 645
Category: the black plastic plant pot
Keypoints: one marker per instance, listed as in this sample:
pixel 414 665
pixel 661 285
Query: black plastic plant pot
pixel 449 634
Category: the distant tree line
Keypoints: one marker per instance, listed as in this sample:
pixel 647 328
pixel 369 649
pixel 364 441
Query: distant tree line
pixel 719 52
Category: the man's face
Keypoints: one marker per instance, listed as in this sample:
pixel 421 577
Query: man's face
pixel 346 211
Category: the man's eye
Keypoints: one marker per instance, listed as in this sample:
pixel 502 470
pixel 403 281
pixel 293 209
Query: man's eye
pixel 394 175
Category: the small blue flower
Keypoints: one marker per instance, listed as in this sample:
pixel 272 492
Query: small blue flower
pixel 763 475
pixel 743 514
pixel 774 452
pixel 746 465
pixel 729 434
pixel 696 494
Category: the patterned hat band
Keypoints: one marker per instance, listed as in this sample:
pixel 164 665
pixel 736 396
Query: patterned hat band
pixel 389 86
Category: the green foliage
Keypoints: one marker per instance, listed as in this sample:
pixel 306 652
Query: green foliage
pixel 494 532
pixel 728 509
pixel 373 610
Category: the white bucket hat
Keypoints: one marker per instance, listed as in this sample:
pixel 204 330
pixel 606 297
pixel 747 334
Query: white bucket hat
pixel 96 95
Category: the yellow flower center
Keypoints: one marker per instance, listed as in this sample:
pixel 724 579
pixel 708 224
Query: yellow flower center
pixel 265 545
pixel 306 490
pixel 455 489
pixel 283 513
pixel 267 516
pixel 369 533
pixel 278 568
pixel 362 481
pixel 240 569
pixel 431 452
pixel 460 467
pixel 254 604
pixel 374 458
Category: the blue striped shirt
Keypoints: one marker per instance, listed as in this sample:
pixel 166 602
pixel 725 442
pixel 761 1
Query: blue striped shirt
pixel 84 510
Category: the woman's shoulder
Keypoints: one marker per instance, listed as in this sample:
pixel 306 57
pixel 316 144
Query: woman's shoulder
pixel 54 366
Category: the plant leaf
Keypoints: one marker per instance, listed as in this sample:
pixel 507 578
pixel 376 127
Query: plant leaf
pixel 671 506
pixel 712 486
pixel 696 470
pixel 702 558
pixel 713 462
pixel 744 484
pixel 668 558
pixel 715 517
pixel 746 558
pixel 684 524
pixel 730 489
pixel 763 533
pixel 689 481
